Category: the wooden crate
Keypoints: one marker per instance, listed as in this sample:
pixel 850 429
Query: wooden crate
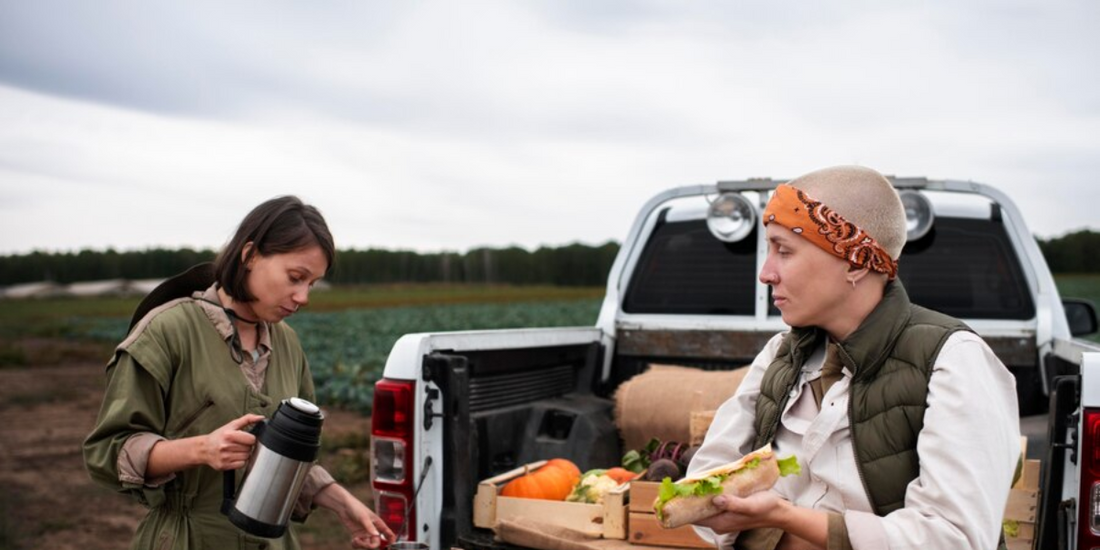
pixel 607 520
pixel 700 422
pixel 644 528
pixel 1022 503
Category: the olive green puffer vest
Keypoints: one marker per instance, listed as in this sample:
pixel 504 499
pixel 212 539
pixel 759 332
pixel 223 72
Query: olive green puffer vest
pixel 891 355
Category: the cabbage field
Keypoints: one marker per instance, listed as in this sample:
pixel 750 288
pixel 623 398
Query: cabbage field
pixel 348 332
pixel 347 349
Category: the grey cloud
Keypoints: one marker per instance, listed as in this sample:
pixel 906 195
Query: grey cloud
pixel 223 61
pixel 1053 45
pixel 199 59
pixel 490 96
pixel 748 19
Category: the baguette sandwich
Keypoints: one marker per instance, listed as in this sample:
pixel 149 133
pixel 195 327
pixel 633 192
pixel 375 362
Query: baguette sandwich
pixel 689 500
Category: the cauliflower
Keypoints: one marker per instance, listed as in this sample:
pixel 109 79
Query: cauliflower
pixel 592 488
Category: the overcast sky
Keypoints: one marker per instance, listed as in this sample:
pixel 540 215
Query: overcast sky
pixel 449 125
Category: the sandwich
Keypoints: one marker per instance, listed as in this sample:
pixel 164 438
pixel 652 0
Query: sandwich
pixel 689 500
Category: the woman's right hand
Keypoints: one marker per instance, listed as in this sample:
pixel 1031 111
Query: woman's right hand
pixel 228 447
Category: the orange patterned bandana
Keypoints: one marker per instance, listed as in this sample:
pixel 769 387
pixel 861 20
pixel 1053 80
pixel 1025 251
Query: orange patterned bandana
pixel 827 229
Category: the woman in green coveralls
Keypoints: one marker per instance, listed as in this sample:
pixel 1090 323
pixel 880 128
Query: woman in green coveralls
pixel 196 371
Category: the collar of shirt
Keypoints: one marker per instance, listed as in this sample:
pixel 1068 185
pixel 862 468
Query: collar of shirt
pixel 811 369
pixel 206 300
pixel 804 419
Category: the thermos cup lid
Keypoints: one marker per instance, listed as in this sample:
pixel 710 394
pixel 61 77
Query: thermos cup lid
pixel 304 406
pixel 298 411
pixel 294 431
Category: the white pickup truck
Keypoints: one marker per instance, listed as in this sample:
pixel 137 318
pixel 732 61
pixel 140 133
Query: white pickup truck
pixel 455 408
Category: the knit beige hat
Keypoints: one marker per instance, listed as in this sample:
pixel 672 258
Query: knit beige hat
pixel 864 197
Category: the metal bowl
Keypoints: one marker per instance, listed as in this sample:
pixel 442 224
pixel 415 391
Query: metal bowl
pixel 408 545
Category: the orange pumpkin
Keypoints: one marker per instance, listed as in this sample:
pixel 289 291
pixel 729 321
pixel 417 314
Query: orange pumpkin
pixel 572 469
pixel 550 482
pixel 620 475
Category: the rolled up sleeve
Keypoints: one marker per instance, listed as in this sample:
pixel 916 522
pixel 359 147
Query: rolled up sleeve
pixel 116 452
pixel 316 480
pixel 133 460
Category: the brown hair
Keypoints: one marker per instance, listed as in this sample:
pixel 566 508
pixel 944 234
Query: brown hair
pixel 280 225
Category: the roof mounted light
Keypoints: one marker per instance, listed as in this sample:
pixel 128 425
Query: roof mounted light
pixel 918 214
pixel 731 217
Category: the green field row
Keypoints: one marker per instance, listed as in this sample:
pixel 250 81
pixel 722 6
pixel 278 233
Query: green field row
pixel 1079 286
pixel 347 349
pixel 53 317
pixel 348 332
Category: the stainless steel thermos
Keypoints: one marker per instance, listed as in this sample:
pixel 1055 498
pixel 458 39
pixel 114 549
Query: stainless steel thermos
pixel 286 446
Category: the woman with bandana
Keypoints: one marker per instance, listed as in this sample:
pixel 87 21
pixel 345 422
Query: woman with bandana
pixel 206 357
pixel 904 421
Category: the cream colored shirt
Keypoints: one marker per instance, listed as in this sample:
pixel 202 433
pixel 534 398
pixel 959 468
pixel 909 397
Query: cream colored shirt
pixel 133 459
pixel 968 451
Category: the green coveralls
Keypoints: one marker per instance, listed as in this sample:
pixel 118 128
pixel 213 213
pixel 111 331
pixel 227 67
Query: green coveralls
pixel 174 376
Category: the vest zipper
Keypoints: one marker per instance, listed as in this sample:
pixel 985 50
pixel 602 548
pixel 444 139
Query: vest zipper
pixel 195 416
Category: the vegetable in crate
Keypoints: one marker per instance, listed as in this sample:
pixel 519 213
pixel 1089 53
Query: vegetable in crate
pixel 553 481
pixel 638 461
pixel 663 468
pixel 592 488
pixel 621 475
pixel 572 469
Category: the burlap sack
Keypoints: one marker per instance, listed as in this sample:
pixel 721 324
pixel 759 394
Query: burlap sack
pixel 659 402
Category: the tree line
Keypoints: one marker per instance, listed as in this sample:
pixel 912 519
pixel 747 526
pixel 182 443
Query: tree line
pixel 569 265
pixel 1077 252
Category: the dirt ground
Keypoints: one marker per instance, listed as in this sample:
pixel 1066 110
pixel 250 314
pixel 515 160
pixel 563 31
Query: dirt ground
pixel 46 497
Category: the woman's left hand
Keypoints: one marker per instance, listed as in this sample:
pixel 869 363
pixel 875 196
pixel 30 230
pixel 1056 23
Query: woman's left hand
pixel 804 528
pixel 366 528
pixel 761 509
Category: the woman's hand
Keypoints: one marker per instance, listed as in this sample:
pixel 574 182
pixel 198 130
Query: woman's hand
pixel 763 509
pixel 365 527
pixel 228 447
pixel 804 528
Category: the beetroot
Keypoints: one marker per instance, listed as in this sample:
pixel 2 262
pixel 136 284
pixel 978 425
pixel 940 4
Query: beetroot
pixel 685 458
pixel 641 459
pixel 662 468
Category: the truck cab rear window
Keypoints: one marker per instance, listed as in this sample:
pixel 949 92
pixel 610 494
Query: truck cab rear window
pixel 685 270
pixel 989 284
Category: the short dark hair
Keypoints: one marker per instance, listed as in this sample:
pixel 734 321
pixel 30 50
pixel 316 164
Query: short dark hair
pixel 280 225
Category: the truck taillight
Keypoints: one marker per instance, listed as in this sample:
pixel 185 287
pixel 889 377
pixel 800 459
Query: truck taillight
pixel 391 507
pixel 392 430
pixel 1088 535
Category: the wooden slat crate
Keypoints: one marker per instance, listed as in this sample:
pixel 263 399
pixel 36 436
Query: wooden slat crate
pixel 1022 502
pixel 607 520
